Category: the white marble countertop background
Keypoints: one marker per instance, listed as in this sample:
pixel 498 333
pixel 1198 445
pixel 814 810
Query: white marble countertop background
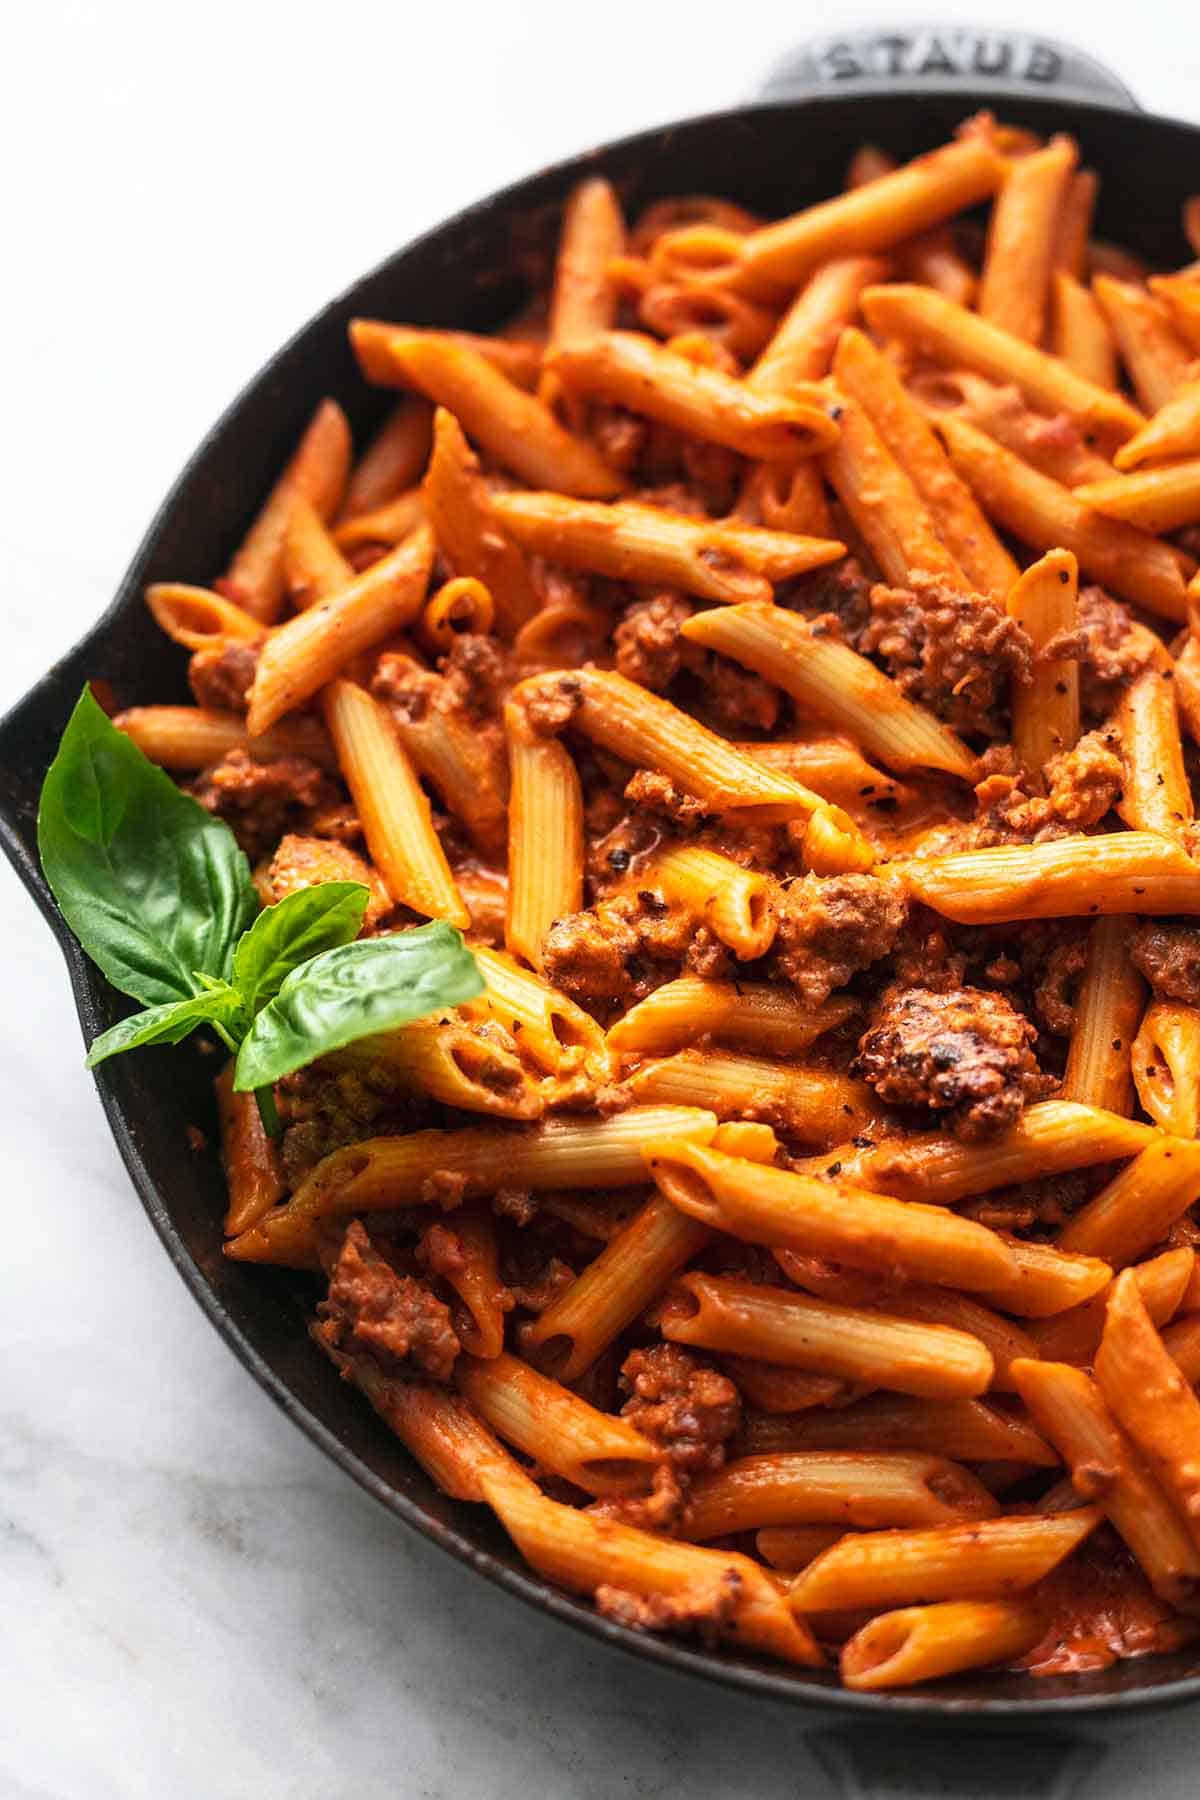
pixel 194 1603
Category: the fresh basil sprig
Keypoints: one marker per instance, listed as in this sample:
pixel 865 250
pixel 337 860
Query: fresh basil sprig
pixel 160 897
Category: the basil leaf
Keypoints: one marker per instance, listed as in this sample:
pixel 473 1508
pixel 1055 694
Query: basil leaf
pixel 288 934
pixel 374 985
pixel 153 886
pixel 167 1024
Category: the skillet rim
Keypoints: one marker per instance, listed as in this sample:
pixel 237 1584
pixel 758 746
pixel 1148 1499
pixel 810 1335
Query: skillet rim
pixel 812 1689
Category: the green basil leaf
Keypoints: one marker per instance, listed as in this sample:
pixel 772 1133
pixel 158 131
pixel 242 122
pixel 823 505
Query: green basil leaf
pixel 376 984
pixel 168 1024
pixel 153 886
pixel 299 927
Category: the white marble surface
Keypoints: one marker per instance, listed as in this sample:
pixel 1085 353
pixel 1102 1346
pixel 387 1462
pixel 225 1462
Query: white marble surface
pixel 194 1603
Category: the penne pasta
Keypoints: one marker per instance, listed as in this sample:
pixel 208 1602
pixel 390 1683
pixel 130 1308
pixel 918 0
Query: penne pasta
pixel 392 462
pixel 1045 711
pixel 469 535
pixel 802 347
pixel 1073 228
pixel 561 1432
pixel 1156 794
pixel 555 1033
pixel 314 567
pixel 1166 1066
pixel 317 473
pixel 812 1105
pixel 1057 447
pixel 755 1015
pixel 459 1064
pixel 1146 1393
pixel 395 814
pixel 187 738
pixel 1080 333
pixel 736 904
pixel 390 523
pixel 924 1643
pixel 514 427
pixel 967 1430
pixel 1071 877
pixel 1074 1336
pixel 1107 1009
pixel 249 1158
pixel 985 1559
pixel 545 836
pixel 300 657
pixel 1069 1409
pixel 740 1317
pixel 627 369
pixel 200 619
pixel 1047 516
pixel 473 1271
pixel 1138 1207
pixel 1155 500
pixel 1022 239
pixel 867 1489
pixel 1174 431
pixel 1156 358
pixel 834 682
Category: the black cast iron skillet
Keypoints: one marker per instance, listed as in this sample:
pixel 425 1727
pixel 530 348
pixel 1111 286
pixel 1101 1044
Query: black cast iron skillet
pixel 905 92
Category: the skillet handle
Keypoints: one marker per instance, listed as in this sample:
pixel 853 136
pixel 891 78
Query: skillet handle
pixel 869 1764
pixel 938 59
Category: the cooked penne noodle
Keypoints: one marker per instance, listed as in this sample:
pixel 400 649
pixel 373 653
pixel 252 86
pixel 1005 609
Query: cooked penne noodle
pixel 959 339
pixel 187 738
pixel 1149 1397
pixel 1074 1336
pixel 313 566
pixel 249 1158
pixel 377 1173
pixel 867 1489
pixel 395 814
pixel 967 1430
pixel 1166 1066
pixel 561 1432
pixel 777 1390
pixel 1174 431
pixel 1158 499
pixel 628 369
pixel 302 656
pixel 881 499
pixel 1107 1009
pixel 986 1558
pixel 514 427
pixel 584 1553
pixel 1047 1280
pixel 1080 333
pixel 803 345
pixel 1045 711
pixel 1002 1337
pixel 473 1271
pixel 786 497
pixel 714 559
pixel 685 310
pixel 317 473
pixel 1155 356
pixel 1069 1409
pixel 584 300
pixel 834 769
pixel 1071 877
pixel 392 462
pixel 462 604
pixel 798 1212
pixel 649 732
pixel 812 1105
pixel 737 904
pixel 1048 1139
pixel 866 375
pixel 454 1062
pixel 792 1547
pixel 930 256
pixel 876 1349
pixel 468 534
pixel 554 1032
pixel 1022 239
pixel 200 619
pixel 1139 1206
pixel 1047 516
pixel 1156 794
pixel 1057 447
pixel 1187 683
pixel 924 1643
pixel 463 765
pixel 545 836
pixel 834 682
pixel 885 212
pixel 1073 228
pixel 387 524
pixel 630 1272
pixel 753 1014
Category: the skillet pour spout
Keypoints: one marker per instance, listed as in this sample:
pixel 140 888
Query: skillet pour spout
pixel 473 272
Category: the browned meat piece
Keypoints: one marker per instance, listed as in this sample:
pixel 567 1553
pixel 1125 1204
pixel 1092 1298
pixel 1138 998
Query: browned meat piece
pixel 553 1279
pixel 832 926
pixel 732 700
pixel 1048 1202
pixel 1108 649
pixel 222 678
pixel 964 1052
pixel 449 726
pixel 619 436
pixel 371 1311
pixel 302 862
pixel 1167 952
pixel 550 710
pixel 842 590
pixel 321 1111
pixel 706 1608
pixel 659 1510
pixel 619 950
pixel 648 646
pixel 1082 785
pixel 260 801
pixel 955 653
pixel 440 1251
pixel 656 794
pixel 1054 995
pixel 517 1204
pixel 689 1410
pixel 708 957
pixel 477 674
